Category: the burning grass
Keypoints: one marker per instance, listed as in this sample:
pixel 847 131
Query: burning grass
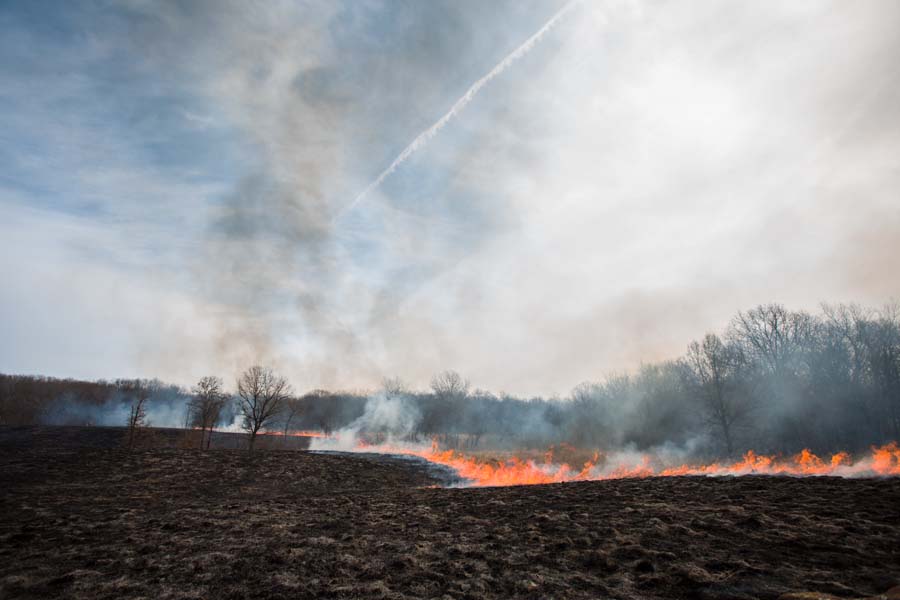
pixel 556 464
pixel 98 522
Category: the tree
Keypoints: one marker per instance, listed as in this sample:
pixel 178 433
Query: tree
pixel 779 344
pixel 882 343
pixel 449 388
pixel 394 386
pixel 321 409
pixel 588 420
pixel 137 415
pixel 261 396
pixel 292 407
pixel 775 337
pixel 450 385
pixel 716 369
pixel 205 407
pixel 659 401
pixel 848 323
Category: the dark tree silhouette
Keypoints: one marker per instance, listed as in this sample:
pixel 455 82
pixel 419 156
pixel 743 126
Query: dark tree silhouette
pixel 206 406
pixel 261 396
pixel 718 371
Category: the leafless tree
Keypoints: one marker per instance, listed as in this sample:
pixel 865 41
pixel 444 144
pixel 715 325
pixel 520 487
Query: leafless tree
pixel 774 336
pixel 206 406
pixel 450 385
pixel 449 389
pixel 291 408
pixel 882 343
pixel 137 415
pixel 325 409
pixel 262 395
pixel 658 397
pixel 394 386
pixel 588 419
pixel 717 369
pixel 849 323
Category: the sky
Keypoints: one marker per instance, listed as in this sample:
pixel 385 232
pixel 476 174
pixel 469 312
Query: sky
pixel 190 188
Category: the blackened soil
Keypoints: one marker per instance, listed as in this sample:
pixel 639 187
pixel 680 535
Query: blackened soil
pixel 101 522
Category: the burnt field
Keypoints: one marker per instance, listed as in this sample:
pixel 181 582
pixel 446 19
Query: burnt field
pixel 81 517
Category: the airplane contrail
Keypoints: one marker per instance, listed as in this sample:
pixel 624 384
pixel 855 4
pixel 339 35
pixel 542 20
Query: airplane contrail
pixel 424 137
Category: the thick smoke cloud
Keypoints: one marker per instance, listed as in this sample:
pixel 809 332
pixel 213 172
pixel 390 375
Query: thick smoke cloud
pixel 611 233
pixel 773 380
pixel 640 175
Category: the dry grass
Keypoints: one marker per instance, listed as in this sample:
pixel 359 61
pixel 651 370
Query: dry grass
pixel 80 520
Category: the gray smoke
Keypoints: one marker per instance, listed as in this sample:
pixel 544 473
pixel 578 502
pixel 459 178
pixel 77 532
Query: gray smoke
pixel 166 406
pixel 635 178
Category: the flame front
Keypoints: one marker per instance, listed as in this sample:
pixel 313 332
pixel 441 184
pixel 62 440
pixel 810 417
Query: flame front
pixel 480 471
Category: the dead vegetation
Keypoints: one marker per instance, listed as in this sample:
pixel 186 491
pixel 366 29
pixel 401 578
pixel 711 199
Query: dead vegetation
pixel 80 517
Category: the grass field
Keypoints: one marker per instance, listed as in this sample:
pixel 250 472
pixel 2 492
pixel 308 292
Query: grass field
pixel 80 517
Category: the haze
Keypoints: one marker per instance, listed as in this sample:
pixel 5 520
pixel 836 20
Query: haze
pixel 180 183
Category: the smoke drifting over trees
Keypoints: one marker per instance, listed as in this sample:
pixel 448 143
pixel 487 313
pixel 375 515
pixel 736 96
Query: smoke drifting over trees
pixel 774 380
pixel 28 400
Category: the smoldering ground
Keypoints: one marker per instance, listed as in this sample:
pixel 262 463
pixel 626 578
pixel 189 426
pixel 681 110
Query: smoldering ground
pixel 92 523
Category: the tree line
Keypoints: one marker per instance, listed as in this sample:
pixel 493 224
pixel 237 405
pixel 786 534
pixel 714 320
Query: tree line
pixel 774 380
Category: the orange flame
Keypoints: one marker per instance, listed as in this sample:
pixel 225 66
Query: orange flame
pixel 313 434
pixel 306 433
pixel 883 461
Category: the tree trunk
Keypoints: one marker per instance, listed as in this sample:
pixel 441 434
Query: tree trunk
pixel 726 432
pixel 252 440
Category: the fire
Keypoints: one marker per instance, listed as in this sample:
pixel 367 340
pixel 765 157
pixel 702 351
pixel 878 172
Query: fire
pixel 306 433
pixel 312 434
pixel 886 459
pixel 883 461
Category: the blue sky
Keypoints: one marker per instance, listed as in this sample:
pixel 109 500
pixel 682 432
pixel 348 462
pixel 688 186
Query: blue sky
pixel 173 174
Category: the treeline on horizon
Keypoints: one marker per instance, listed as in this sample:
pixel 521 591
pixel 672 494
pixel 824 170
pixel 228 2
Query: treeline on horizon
pixel 774 380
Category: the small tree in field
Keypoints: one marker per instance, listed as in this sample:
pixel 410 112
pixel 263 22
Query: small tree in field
pixel 261 395
pixel 206 406
pixel 291 408
pixel 137 415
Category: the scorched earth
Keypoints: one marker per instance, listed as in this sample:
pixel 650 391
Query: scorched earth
pixel 82 518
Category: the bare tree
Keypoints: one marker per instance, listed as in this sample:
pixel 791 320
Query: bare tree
pixel 394 386
pixel 849 323
pixel 774 336
pixel 882 342
pixel 716 368
pixel 658 397
pixel 137 415
pixel 450 385
pixel 262 395
pixel 206 406
pixel 291 408
pixel 588 420
pixel 325 408
pixel 449 389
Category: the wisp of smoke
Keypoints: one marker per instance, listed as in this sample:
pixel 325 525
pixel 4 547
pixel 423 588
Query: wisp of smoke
pixel 426 136
pixel 393 417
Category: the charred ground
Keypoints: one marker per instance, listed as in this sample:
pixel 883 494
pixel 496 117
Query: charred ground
pixel 80 517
